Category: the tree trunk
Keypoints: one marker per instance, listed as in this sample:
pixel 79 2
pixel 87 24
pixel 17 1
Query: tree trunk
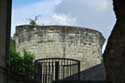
pixel 114 55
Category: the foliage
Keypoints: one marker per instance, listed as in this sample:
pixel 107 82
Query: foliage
pixel 33 21
pixel 12 45
pixel 28 62
pixel 20 64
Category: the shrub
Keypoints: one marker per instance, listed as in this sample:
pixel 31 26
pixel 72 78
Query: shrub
pixel 21 64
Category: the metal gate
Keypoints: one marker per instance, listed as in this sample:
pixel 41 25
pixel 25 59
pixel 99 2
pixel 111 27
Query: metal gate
pixel 55 69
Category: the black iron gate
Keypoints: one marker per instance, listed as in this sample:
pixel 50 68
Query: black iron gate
pixel 55 69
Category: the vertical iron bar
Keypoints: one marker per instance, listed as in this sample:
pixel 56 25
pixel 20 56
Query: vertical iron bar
pixel 66 69
pixel 45 70
pixel 43 78
pixel 41 70
pixel 56 71
pixel 35 69
pixel 70 69
pixel 63 69
pixel 78 70
pixel 73 68
pixel 49 69
pixel 52 71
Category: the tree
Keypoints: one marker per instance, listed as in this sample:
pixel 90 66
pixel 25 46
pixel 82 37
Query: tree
pixel 114 55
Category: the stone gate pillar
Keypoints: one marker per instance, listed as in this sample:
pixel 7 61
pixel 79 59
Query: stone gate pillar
pixel 5 20
pixel 114 55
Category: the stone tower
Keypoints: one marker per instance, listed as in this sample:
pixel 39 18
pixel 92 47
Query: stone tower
pixel 61 42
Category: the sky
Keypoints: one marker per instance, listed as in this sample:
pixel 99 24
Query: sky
pixel 93 14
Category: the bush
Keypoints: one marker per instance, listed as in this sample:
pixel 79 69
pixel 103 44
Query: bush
pixel 28 62
pixel 21 64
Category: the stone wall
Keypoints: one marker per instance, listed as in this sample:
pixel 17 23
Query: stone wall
pixel 114 55
pixel 5 22
pixel 61 42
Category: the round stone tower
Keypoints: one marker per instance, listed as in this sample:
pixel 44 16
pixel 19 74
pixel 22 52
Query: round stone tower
pixel 61 42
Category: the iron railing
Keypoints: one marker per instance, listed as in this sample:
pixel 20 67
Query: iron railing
pixel 54 69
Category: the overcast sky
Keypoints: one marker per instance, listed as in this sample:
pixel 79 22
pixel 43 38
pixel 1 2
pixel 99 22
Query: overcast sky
pixel 94 14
